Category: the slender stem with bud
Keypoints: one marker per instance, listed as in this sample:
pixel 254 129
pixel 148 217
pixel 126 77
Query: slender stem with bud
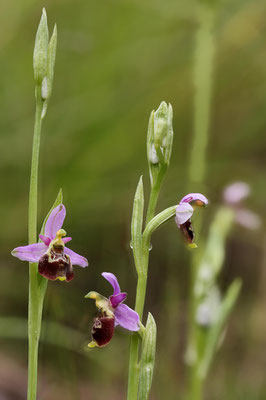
pixel 203 80
pixel 35 308
pixel 159 146
pixel 43 65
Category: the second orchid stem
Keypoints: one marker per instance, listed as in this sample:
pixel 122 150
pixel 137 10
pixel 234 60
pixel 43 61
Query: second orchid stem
pixel 203 81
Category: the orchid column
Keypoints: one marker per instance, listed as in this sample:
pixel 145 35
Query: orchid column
pixel 43 65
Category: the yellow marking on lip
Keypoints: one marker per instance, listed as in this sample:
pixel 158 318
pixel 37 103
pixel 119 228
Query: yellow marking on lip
pixel 192 245
pixel 92 344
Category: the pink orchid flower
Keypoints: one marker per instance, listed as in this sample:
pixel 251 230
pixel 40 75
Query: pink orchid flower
pixel 54 259
pixel 184 212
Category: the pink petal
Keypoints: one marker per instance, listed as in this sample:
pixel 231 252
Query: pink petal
pixel 75 258
pixel 117 299
pixel 45 240
pixel 236 192
pixel 55 221
pixel 67 239
pixel 193 197
pixel 30 253
pixel 112 279
pixel 184 212
pixel 248 219
pixel 126 317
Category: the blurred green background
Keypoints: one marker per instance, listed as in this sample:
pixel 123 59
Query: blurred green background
pixel 116 61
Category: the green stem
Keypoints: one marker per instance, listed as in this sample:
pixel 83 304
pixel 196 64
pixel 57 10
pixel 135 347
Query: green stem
pixel 155 193
pixel 203 80
pixel 195 391
pixel 35 301
pixel 133 375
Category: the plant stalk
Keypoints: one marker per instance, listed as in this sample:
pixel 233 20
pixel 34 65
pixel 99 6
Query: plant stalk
pixel 35 300
pixel 133 377
pixel 203 82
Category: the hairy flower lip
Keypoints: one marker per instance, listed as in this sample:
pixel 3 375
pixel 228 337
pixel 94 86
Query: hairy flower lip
pixel 53 229
pixel 102 331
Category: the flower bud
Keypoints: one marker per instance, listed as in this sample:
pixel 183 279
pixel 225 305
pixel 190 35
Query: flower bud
pixel 47 83
pixel 160 135
pixel 40 50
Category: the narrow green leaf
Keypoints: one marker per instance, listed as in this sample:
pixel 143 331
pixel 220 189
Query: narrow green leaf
pixel 136 224
pixel 217 328
pixel 147 358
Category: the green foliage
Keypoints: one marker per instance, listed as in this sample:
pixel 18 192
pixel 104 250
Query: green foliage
pixel 215 332
pixel 147 358
pixel 136 225
pixel 115 63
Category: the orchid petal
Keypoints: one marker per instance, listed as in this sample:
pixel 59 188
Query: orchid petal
pixel 248 219
pixel 194 197
pixel 117 299
pixel 236 192
pixel 112 279
pixel 45 239
pixel 31 253
pixel 67 239
pixel 75 258
pixel 55 221
pixel 184 212
pixel 126 317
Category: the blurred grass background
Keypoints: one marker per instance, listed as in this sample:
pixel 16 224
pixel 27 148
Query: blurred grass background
pixel 116 61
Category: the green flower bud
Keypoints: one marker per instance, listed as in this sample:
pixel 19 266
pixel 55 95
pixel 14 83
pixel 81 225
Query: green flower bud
pixel 147 358
pixel 40 50
pixel 47 82
pixel 160 135
pixel 160 124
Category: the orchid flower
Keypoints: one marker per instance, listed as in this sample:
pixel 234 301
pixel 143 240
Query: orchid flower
pixel 234 195
pixel 54 259
pixel 184 212
pixel 112 313
pixel 236 192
